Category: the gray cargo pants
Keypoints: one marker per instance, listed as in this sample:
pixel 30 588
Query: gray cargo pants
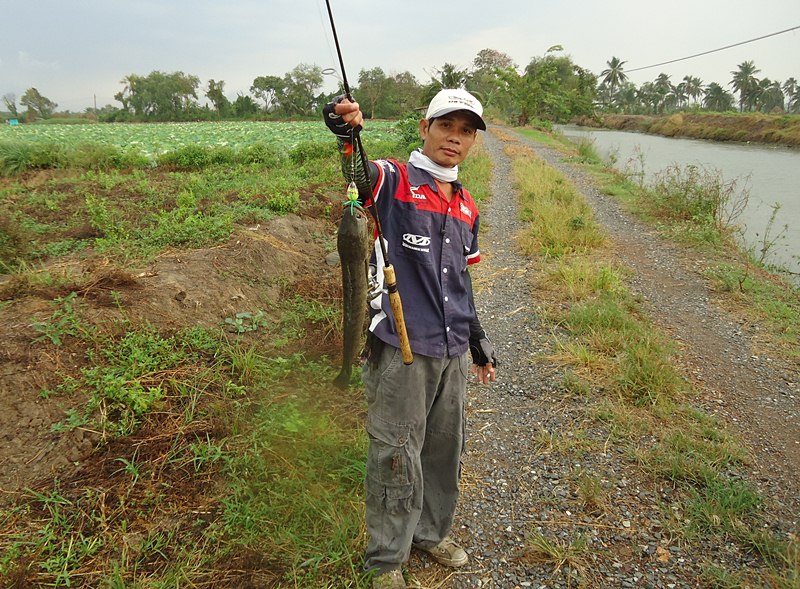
pixel 416 424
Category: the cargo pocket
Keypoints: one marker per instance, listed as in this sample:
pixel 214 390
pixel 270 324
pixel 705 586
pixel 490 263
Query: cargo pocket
pixel 390 470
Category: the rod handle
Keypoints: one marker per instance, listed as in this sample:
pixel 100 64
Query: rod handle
pixel 397 310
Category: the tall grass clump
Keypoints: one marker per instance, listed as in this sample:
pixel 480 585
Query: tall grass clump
pixel 15 157
pixel 561 223
pixel 698 195
pixel 197 157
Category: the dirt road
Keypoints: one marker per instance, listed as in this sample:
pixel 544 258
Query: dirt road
pixel 533 450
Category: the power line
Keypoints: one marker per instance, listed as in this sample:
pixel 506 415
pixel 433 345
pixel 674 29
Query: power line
pixel 712 51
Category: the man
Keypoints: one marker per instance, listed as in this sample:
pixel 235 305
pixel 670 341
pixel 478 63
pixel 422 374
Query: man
pixel 415 418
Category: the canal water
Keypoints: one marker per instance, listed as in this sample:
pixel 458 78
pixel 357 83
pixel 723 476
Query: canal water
pixel 771 175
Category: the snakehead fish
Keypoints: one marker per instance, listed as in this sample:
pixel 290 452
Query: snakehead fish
pixel 352 243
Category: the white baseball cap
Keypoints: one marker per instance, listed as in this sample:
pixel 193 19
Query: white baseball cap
pixel 450 100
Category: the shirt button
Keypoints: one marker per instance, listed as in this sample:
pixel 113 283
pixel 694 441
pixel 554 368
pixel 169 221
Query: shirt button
pixel 447 240
pixel 448 328
pixel 446 299
pixel 444 270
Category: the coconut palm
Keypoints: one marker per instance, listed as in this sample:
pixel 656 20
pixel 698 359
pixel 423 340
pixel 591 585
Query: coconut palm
pixel 648 97
pixel 679 94
pixel 626 98
pixel 769 95
pixel 790 89
pixel 693 87
pixel 745 83
pixel 794 100
pixel 664 90
pixel 613 77
pixel 716 98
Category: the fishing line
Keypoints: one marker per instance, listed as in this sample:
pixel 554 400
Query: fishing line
pixel 323 21
pixel 364 189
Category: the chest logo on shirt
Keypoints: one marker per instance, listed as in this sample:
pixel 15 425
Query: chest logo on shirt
pixel 465 210
pixel 415 193
pixel 418 243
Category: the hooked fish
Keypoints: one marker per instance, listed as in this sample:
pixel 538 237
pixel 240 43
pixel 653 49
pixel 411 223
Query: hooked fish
pixel 352 243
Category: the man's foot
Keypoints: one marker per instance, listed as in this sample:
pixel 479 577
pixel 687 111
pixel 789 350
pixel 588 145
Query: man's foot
pixel 391 580
pixel 446 552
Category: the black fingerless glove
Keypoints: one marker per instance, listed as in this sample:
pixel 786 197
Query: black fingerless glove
pixel 336 123
pixel 482 351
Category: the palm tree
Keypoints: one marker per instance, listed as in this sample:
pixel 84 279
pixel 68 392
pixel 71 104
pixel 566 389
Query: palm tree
pixel 716 98
pixel 745 83
pixel 769 95
pixel 648 97
pixel 626 97
pixel 680 95
pixel 790 89
pixel 794 100
pixel 614 76
pixel 693 87
pixel 663 88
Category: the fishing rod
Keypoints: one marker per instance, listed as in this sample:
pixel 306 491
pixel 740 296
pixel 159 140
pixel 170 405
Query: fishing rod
pixel 365 193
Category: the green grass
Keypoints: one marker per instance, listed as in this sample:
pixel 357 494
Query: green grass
pixel 697 207
pixel 562 223
pixel 475 173
pixel 540 137
pixel 155 139
pixel 295 492
pixel 621 365
pixel 763 298
pixel 289 466
pixel 224 453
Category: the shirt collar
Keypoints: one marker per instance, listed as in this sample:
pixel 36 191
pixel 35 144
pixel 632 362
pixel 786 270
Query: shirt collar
pixel 417 177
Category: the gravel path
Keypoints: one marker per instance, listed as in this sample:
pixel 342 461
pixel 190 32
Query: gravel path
pixel 532 449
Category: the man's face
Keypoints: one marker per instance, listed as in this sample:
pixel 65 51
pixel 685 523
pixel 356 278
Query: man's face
pixel 448 139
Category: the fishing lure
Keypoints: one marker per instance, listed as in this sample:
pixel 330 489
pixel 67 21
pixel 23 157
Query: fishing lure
pixel 352 198
pixel 352 189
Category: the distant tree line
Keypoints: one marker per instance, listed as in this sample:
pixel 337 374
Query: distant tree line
pixel 616 93
pixel 550 88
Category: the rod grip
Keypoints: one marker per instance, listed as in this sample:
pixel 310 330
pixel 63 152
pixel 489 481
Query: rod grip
pixel 397 310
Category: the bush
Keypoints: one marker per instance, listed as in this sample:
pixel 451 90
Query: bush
pixel 408 130
pixel 693 193
pixel 95 156
pixel 188 157
pixel 311 150
pixel 222 156
pixel 284 203
pixel 48 155
pixel 260 153
pixel 15 158
pixel 193 229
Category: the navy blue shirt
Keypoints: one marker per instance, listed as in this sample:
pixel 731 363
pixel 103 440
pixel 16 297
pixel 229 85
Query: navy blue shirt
pixel 430 242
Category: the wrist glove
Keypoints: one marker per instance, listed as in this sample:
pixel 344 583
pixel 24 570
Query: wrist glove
pixel 482 351
pixel 336 123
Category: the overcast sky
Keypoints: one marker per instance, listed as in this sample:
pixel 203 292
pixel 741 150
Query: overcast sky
pixel 75 50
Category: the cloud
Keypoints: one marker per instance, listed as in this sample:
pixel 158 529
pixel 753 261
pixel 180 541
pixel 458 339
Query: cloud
pixel 26 60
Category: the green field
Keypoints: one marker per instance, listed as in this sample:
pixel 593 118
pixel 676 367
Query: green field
pixel 154 139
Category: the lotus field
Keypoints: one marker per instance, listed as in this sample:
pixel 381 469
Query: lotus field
pixel 154 139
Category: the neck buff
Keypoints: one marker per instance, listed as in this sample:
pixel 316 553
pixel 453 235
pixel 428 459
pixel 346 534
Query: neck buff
pixel 423 162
